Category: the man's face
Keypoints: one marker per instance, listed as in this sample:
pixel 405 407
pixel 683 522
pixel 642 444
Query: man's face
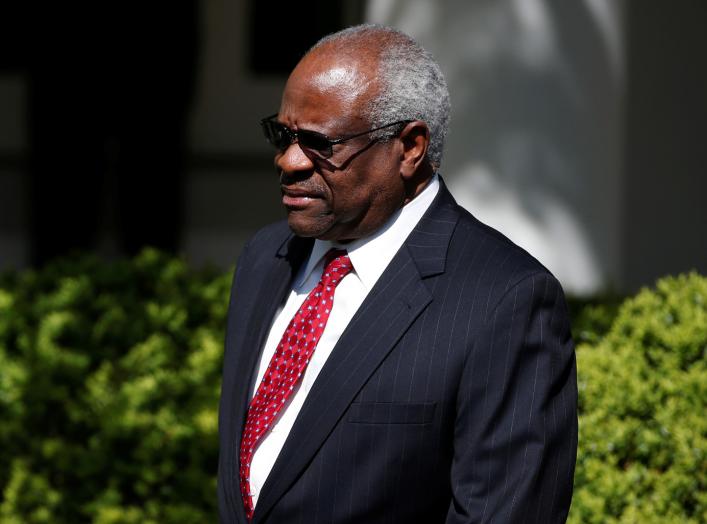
pixel 352 193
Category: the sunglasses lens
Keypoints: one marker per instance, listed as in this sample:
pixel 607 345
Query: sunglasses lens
pixel 315 142
pixel 276 134
pixel 280 136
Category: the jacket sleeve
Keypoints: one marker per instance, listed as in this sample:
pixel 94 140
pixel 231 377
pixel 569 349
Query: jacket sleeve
pixel 515 436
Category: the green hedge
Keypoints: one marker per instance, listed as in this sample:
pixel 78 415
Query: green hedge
pixel 109 383
pixel 110 375
pixel 642 423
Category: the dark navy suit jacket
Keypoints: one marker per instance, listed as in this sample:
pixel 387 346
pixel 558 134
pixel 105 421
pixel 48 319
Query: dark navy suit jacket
pixel 451 396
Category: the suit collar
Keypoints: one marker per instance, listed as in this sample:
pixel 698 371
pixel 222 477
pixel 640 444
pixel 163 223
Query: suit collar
pixel 429 241
pixel 294 250
pixel 397 299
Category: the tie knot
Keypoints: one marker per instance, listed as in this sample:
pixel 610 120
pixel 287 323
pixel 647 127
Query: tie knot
pixel 336 266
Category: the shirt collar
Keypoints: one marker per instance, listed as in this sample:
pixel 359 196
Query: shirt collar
pixel 371 255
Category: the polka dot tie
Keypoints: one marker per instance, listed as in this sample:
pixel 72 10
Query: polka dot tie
pixel 288 363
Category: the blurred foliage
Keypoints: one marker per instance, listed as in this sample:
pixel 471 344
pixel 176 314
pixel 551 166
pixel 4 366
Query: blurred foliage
pixel 643 391
pixel 110 376
pixel 109 385
pixel 592 317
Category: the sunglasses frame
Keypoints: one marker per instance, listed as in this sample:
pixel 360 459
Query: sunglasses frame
pixel 269 124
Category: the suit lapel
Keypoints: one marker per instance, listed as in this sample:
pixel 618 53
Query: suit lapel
pixel 397 299
pixel 271 293
pixel 276 282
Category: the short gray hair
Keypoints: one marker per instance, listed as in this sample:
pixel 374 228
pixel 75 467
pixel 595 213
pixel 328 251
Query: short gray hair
pixel 412 86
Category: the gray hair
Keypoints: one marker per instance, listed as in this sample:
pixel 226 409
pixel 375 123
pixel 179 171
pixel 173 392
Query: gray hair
pixel 412 86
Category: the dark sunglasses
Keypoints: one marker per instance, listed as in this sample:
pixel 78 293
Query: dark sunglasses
pixel 281 136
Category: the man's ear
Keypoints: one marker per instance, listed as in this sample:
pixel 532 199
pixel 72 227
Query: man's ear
pixel 415 138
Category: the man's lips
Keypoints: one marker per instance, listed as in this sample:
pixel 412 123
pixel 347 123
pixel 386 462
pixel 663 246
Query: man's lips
pixel 298 198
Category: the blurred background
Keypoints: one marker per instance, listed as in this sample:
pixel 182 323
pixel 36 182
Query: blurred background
pixel 578 128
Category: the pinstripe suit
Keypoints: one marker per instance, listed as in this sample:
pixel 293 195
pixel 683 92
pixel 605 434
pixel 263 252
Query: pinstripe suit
pixel 450 397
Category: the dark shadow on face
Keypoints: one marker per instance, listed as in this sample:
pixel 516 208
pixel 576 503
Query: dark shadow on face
pixel 325 164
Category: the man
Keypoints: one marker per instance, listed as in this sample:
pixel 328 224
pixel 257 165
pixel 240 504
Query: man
pixel 423 371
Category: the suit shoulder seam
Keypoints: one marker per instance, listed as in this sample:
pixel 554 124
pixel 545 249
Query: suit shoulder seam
pixel 539 272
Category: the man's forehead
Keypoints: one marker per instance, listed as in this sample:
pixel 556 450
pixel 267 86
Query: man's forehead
pixel 340 76
pixel 324 86
pixel 330 70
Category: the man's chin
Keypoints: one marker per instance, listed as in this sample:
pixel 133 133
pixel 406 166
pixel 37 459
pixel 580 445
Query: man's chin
pixel 306 227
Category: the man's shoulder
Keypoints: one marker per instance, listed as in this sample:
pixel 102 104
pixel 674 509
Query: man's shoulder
pixel 501 263
pixel 265 244
pixel 270 237
pixel 263 248
pixel 474 242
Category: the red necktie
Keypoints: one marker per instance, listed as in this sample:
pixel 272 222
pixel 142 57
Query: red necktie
pixel 288 363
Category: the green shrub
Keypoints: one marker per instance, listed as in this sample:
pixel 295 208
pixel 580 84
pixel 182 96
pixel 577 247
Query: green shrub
pixel 109 384
pixel 110 375
pixel 592 318
pixel 643 431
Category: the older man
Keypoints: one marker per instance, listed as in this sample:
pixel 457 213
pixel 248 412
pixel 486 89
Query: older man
pixel 389 358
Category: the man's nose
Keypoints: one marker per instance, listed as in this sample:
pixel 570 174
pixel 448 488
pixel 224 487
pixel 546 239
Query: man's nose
pixel 293 160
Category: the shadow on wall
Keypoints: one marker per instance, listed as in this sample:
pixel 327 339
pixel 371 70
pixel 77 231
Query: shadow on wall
pixel 533 148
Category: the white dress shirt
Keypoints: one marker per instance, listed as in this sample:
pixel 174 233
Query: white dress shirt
pixel 370 256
